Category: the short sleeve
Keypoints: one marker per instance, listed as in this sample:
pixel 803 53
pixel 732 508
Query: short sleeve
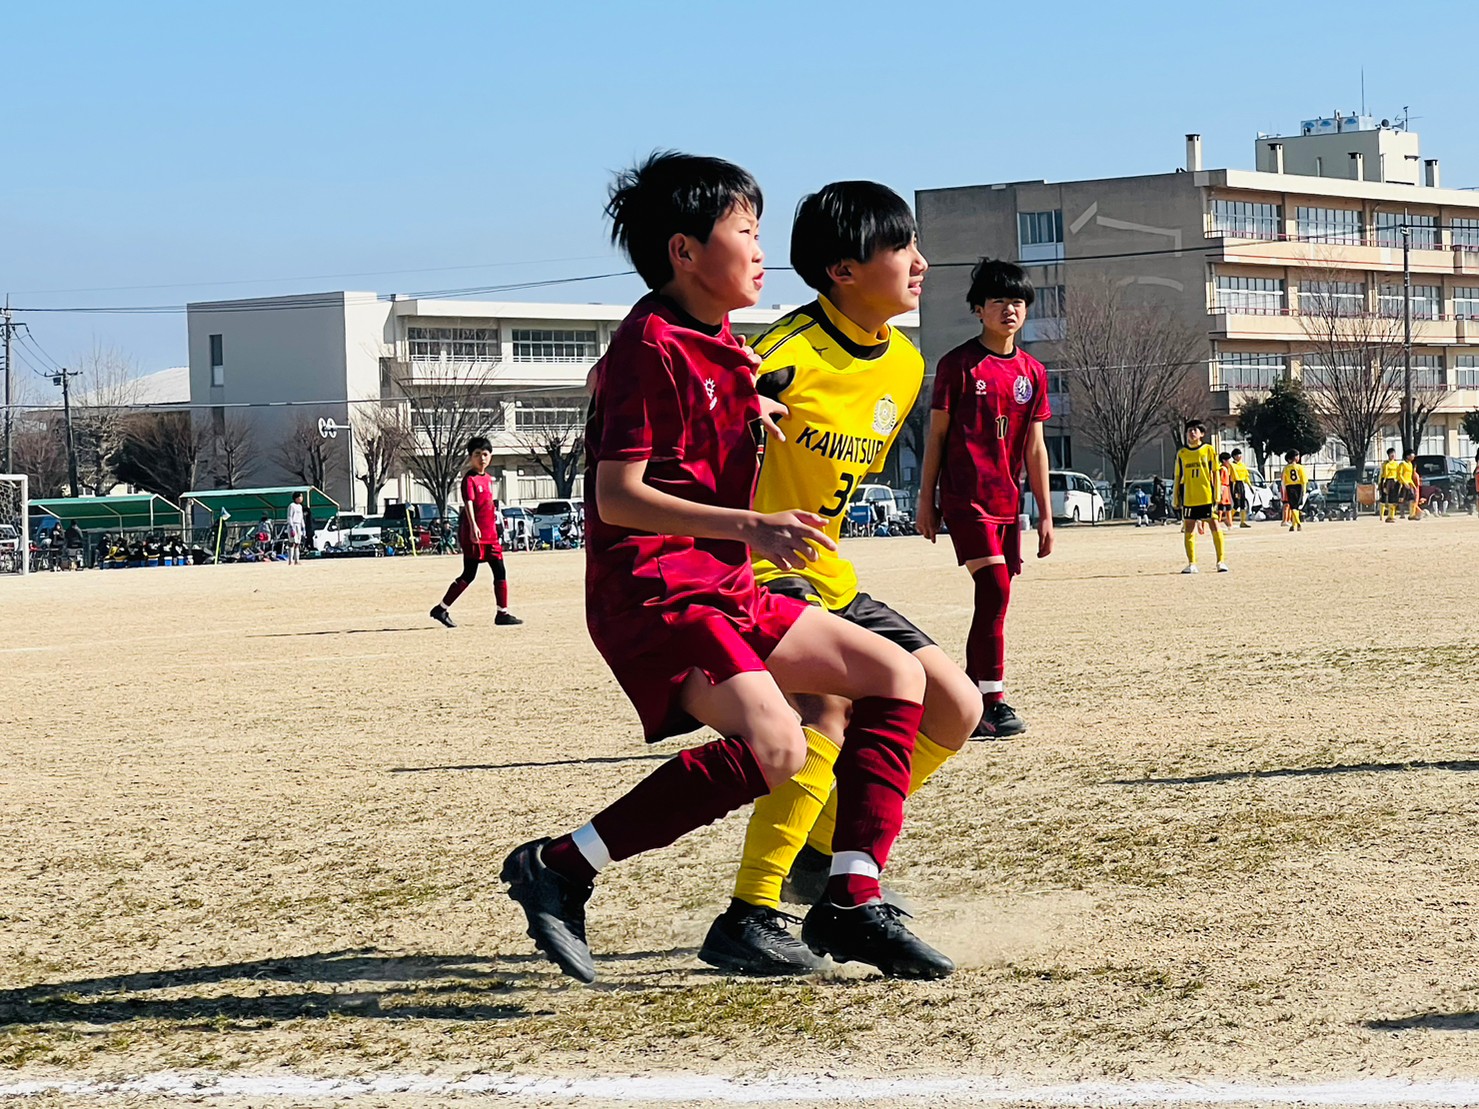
pixel 947 385
pixel 640 415
pixel 1040 407
pixel 466 489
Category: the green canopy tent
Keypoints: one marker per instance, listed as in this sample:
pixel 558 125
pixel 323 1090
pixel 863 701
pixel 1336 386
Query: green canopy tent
pixel 251 504
pixel 135 510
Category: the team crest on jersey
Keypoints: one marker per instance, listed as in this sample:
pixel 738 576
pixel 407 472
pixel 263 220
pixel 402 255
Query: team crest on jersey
pixel 980 386
pixel 1022 389
pixel 713 392
pixel 885 415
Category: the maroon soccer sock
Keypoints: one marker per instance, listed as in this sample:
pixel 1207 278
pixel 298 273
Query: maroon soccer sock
pixel 985 652
pixel 690 790
pixel 500 593
pixel 454 591
pixel 872 781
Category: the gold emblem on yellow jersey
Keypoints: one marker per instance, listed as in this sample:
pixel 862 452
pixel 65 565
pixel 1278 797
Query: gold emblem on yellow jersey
pixel 885 415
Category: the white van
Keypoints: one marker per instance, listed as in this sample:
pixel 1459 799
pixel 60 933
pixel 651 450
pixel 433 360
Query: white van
pixel 1074 495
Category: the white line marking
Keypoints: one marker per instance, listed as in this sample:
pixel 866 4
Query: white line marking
pixel 1379 1092
pixel 1089 213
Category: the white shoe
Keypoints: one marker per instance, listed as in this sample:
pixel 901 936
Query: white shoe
pixel 1222 567
pixel 1191 568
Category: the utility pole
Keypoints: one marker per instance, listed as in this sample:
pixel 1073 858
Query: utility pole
pixel 9 328
pixel 63 379
pixel 1408 431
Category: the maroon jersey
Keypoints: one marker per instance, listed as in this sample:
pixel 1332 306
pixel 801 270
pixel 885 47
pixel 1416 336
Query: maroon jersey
pixel 669 393
pixel 993 402
pixel 478 506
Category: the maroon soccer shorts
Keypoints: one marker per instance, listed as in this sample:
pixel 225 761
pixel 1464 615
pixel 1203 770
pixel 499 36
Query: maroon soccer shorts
pixel 701 638
pixel 974 536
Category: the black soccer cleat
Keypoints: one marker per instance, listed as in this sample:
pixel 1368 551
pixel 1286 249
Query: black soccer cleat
pixel 555 908
pixel 999 721
pixel 442 616
pixel 505 617
pixel 807 881
pixel 875 935
pixel 752 939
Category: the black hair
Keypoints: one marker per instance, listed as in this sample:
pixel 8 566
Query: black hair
pixel 1391 450
pixel 1224 457
pixel 479 443
pixel 1291 456
pixel 994 279
pixel 1237 452
pixel 1195 423
pixel 847 221
pixel 673 194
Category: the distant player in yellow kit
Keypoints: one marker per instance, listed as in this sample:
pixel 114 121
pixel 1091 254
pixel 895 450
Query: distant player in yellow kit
pixel 1409 492
pixel 1194 494
pixel 1240 488
pixel 1389 485
pixel 847 379
pixel 1294 482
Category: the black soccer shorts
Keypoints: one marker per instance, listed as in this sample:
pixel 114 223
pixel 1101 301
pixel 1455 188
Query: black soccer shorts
pixel 862 610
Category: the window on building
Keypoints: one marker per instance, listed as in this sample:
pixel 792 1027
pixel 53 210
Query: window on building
pixel 1263 296
pixel 1319 372
pixel 1332 298
pixel 1388 231
pixel 1249 370
pixel 1051 303
pixel 1466 372
pixel 1427 301
pixel 1427 372
pixel 554 346
pixel 1464 234
pixel 1060 451
pixel 1057 382
pixel 218 361
pixel 1466 301
pixel 488 409
pixel 1245 219
pixel 1040 235
pixel 549 412
pixel 453 344
pixel 1328 225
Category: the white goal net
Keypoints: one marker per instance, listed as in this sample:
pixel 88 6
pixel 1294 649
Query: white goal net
pixel 15 543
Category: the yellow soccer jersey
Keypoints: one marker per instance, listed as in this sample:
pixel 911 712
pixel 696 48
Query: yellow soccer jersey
pixel 1240 471
pixel 1390 471
pixel 847 394
pixel 1294 474
pixel 1405 473
pixel 1196 475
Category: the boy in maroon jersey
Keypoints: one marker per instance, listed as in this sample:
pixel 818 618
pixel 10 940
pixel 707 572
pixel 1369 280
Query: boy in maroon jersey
pixel 477 535
pixel 986 423
pixel 672 603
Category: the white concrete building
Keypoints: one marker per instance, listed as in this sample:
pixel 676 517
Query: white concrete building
pixel 284 363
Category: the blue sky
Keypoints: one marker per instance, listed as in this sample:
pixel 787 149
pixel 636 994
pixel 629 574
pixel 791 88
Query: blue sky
pixel 228 149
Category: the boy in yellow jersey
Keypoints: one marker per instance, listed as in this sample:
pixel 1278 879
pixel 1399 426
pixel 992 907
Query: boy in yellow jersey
pixel 1194 494
pixel 1389 484
pixel 847 380
pixel 1240 488
pixel 1294 482
pixel 1409 490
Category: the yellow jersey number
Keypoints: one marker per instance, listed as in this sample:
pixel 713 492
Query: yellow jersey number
pixel 849 483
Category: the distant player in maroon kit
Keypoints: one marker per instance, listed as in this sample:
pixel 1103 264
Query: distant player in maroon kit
pixel 986 424
pixel 477 535
pixel 672 604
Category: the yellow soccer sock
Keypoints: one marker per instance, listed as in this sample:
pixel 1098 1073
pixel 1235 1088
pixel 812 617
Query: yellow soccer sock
pixel 779 824
pixel 1294 516
pixel 929 756
pixel 1190 540
pixel 1219 544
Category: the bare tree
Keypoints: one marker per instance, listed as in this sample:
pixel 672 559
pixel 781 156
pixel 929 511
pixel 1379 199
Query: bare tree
pixel 107 392
pixel 41 455
pixel 1352 367
pixel 236 451
pixel 306 454
pixel 558 451
pixel 162 452
pixel 1429 390
pixel 383 436
pixel 1128 365
pixel 443 413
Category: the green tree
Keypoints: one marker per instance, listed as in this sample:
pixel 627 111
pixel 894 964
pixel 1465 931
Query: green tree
pixel 1253 422
pixel 1283 421
pixel 1470 425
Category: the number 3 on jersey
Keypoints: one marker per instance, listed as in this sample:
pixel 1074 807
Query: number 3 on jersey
pixel 848 483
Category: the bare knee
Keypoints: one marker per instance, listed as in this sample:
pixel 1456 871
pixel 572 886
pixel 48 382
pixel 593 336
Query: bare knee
pixel 779 746
pixel 952 706
pixel 827 715
pixel 899 676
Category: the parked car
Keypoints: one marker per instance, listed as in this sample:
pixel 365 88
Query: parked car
pixel 10 537
pixel 368 532
pixel 1341 488
pixel 885 502
pixel 334 532
pixel 557 514
pixel 1074 498
pixel 1443 480
pixel 518 528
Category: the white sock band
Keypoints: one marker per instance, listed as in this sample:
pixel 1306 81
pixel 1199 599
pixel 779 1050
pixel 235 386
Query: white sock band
pixel 991 687
pixel 854 862
pixel 589 843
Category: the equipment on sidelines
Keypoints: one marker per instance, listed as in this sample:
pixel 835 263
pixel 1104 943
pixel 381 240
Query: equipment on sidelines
pixel 15 543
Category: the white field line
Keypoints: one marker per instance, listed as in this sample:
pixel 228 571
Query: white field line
pixel 1384 1092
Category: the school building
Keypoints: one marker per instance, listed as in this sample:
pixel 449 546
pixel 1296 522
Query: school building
pixel 1246 258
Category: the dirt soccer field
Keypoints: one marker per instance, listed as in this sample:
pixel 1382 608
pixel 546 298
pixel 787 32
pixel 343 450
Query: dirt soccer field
pixel 253 818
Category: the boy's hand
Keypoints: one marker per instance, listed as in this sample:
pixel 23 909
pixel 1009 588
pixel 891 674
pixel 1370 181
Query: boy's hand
pixel 753 358
pixel 1044 537
pixel 927 517
pixel 789 539
pixel 770 412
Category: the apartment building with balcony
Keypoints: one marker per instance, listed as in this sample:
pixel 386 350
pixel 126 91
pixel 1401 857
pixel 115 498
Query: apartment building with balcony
pixel 1247 258
pixel 283 363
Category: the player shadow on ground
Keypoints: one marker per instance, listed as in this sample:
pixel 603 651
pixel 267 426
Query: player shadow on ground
pixel 339 631
pixel 415 987
pixel 1461 765
pixel 593 760
pixel 1439 1022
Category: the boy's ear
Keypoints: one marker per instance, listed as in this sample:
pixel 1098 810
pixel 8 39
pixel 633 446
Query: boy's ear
pixel 840 273
pixel 680 251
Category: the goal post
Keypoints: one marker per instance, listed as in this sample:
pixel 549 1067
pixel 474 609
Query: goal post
pixel 15 533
